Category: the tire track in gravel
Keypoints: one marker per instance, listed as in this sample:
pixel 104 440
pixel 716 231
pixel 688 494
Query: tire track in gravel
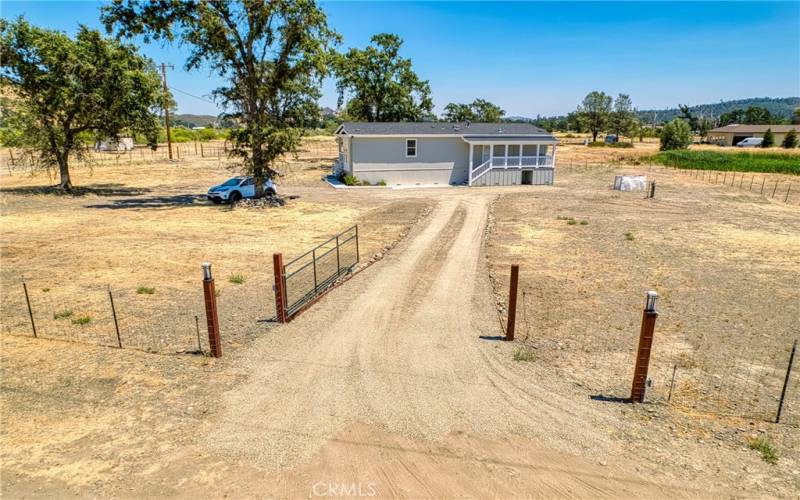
pixel 398 350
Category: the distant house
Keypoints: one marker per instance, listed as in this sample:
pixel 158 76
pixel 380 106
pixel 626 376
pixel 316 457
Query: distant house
pixel 425 153
pixel 731 135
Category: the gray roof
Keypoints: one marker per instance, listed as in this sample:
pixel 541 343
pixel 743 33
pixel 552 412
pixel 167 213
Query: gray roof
pixel 442 128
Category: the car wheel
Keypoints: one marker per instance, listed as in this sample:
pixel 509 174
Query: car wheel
pixel 234 197
pixel 271 192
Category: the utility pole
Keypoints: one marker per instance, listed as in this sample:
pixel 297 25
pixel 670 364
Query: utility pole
pixel 166 106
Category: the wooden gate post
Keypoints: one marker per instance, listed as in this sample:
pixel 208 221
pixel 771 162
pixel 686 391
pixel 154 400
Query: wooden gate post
pixel 280 288
pixel 212 319
pixel 643 352
pixel 512 302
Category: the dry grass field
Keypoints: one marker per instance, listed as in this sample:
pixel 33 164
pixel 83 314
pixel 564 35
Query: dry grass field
pixel 147 227
pixel 93 421
pixel 726 265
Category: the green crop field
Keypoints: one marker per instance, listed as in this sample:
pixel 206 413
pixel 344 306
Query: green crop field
pixel 781 163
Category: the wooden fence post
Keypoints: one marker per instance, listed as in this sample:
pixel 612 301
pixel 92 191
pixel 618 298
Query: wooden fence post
pixel 639 385
pixel 280 288
pixel 212 320
pixel 512 302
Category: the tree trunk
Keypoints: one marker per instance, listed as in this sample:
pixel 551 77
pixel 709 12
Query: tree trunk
pixel 594 135
pixel 258 171
pixel 63 170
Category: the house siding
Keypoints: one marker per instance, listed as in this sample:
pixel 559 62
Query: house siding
pixel 439 160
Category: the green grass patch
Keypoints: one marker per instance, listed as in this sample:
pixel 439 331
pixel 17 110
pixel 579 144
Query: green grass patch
pixel 571 222
pixel 629 236
pixel 524 355
pixel 740 161
pixel 81 320
pixel 768 452
pixel 145 290
pixel 236 279
pixel 584 222
pixel 66 313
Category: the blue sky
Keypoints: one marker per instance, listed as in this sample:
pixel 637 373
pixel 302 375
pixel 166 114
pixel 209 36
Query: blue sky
pixel 540 57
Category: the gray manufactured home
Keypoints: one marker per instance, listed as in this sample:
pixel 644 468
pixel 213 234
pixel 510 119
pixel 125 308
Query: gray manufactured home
pixel 426 153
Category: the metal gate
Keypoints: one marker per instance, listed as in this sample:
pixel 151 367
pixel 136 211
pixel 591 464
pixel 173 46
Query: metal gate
pixel 310 274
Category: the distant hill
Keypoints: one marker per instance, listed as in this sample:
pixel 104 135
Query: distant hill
pixel 188 120
pixel 778 106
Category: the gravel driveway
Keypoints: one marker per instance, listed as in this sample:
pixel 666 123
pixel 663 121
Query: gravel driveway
pixel 401 354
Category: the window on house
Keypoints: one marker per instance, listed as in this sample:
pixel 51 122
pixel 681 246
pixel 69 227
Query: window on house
pixel 411 148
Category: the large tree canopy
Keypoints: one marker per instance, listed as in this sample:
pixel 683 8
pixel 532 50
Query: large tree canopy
pixel 61 92
pixel 273 54
pixel 381 86
pixel 595 112
pixel 479 111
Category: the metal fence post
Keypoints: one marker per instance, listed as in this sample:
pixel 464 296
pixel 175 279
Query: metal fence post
pixel 212 320
pixel 512 302
pixel 786 200
pixel 358 257
pixel 314 265
pixel 639 385
pixel 280 287
pixel 338 263
pixel 114 315
pixel 773 191
pixel 30 311
pixel 786 382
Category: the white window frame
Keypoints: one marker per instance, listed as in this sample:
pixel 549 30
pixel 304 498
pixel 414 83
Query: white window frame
pixel 416 147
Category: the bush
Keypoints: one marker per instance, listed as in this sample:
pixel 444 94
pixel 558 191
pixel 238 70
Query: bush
pixel 676 135
pixel 236 279
pixel 66 313
pixel 82 320
pixel 769 139
pixel 381 183
pixel 145 290
pixel 620 145
pixel 365 183
pixel 629 236
pixel 597 144
pixel 350 180
pixel 524 355
pixel 790 141
pixel 768 452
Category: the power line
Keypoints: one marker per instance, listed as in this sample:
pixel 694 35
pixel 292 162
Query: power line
pixel 192 95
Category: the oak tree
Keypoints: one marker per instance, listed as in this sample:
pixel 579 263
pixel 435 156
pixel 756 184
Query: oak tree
pixel 60 93
pixel 594 112
pixel 272 54
pixel 379 85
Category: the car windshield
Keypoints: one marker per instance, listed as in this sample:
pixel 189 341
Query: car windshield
pixel 232 182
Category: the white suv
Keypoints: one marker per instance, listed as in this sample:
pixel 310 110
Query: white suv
pixel 237 188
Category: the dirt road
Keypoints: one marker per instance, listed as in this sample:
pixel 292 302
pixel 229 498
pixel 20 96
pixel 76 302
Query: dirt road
pixel 392 383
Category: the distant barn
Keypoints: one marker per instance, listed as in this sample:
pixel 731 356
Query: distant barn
pixel 731 135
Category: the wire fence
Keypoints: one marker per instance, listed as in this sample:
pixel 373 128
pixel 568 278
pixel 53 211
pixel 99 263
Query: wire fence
pixel 729 378
pixel 16 161
pixel 779 187
pixel 161 319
